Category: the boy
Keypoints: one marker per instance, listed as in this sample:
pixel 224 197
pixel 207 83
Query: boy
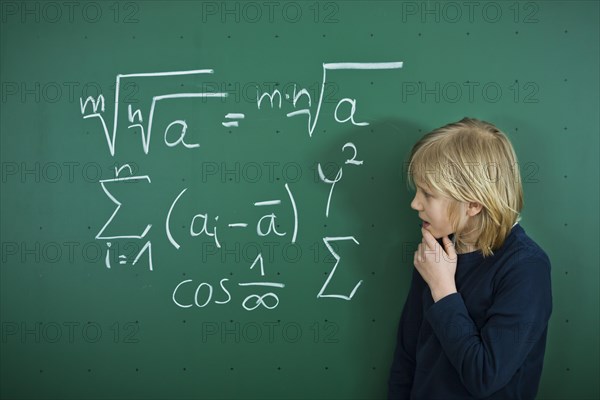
pixel 475 320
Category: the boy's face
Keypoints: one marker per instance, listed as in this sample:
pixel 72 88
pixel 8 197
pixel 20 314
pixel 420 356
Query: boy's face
pixel 432 208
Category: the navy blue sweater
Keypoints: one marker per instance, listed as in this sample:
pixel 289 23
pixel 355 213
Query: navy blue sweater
pixel 485 342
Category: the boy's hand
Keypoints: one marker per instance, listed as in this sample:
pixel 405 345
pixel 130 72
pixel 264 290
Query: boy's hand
pixel 436 265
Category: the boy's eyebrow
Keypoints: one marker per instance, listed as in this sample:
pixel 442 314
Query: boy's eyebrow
pixel 431 192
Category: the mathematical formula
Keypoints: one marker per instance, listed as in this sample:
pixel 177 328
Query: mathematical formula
pixel 204 226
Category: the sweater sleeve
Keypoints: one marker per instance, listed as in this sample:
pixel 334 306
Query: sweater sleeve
pixel 487 357
pixel 403 365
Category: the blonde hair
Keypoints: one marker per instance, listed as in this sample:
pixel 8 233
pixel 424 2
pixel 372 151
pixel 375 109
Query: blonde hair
pixel 472 161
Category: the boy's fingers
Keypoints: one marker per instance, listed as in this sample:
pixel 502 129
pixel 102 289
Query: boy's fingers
pixel 449 246
pixel 428 239
pixel 416 256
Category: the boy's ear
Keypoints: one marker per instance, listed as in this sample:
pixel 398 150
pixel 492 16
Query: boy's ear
pixel 474 208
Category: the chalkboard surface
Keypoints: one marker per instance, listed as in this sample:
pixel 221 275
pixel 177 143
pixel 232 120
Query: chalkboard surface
pixel 209 199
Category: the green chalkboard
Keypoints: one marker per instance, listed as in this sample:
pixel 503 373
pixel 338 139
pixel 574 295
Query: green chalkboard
pixel 209 199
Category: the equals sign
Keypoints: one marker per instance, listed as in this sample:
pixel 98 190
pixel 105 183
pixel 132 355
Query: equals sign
pixel 232 116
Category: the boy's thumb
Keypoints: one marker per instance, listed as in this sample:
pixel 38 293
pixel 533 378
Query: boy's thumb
pixel 448 245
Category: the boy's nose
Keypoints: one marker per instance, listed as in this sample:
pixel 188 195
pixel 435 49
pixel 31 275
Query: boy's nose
pixel 414 204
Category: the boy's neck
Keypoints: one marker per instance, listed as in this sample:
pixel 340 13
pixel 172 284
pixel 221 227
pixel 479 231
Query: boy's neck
pixel 465 248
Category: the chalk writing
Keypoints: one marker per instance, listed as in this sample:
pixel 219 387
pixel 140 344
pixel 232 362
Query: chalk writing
pixel 206 226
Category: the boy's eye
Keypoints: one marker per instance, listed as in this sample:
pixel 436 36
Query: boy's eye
pixel 424 192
